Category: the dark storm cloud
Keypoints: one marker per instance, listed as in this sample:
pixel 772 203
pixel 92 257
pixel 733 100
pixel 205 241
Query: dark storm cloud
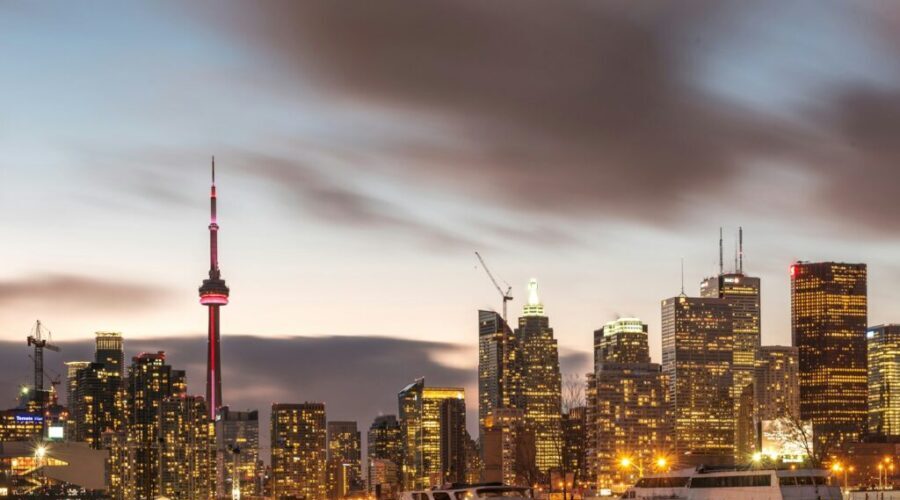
pixel 72 291
pixel 581 108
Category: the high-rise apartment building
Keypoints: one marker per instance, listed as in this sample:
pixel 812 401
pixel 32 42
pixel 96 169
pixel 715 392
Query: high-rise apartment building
pixel 742 292
pixel 428 428
pixel 777 383
pixel 345 451
pixel 454 440
pixel 299 450
pixel 829 311
pixel 697 354
pixel 884 380
pixel 72 368
pixel 237 452
pixel 541 381
pixel 109 352
pixel 186 449
pixel 97 403
pixel 627 403
pixel 384 443
pixel 150 382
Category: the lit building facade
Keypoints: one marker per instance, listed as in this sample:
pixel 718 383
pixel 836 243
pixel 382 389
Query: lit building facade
pixel 697 345
pixel 299 450
pixel 344 450
pixel 829 310
pixel 499 365
pixel 150 382
pixel 628 402
pixel 20 425
pixel 97 403
pixel 110 352
pixel 884 380
pixel 237 449
pixel 743 294
pixel 72 368
pixel 777 383
pixel 384 443
pixel 432 422
pixel 541 381
pixel 186 449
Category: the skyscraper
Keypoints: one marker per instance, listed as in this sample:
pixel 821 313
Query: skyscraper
pixel 454 440
pixel 150 382
pixel 777 382
pixel 345 450
pixel 109 352
pixel 213 294
pixel 541 381
pixel 299 450
pixel 884 380
pixel 384 443
pixel 697 345
pixel 499 365
pixel 574 425
pixel 186 449
pixel 428 427
pixel 237 448
pixel 72 368
pixel 627 402
pixel 742 292
pixel 828 325
pixel 97 403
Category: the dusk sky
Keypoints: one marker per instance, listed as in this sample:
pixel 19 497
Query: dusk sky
pixel 364 150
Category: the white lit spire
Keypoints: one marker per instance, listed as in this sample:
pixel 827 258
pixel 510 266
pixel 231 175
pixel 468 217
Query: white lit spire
pixel 534 306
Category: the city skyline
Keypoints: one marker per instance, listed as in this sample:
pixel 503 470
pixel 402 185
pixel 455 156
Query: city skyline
pixel 127 187
pixel 613 238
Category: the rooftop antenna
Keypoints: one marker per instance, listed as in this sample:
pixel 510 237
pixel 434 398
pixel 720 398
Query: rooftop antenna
pixel 682 276
pixel 721 255
pixel 740 250
pixel 735 258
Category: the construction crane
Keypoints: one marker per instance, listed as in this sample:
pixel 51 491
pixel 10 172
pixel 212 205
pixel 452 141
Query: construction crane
pixel 40 343
pixel 505 295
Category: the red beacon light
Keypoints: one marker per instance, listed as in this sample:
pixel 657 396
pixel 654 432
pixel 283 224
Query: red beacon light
pixel 795 270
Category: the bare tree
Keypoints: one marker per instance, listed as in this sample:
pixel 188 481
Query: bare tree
pixel 817 447
pixel 572 392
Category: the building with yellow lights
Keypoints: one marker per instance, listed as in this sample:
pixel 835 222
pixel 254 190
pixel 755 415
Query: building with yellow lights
pixel 883 343
pixel 829 310
pixel 186 449
pixel 697 353
pixel 298 439
pixel 385 444
pixel 777 383
pixel 628 401
pixel 433 430
pixel 743 294
pixel 344 455
pixel 237 452
pixel 541 381
pixel 507 448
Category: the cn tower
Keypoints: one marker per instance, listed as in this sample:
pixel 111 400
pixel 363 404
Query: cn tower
pixel 213 294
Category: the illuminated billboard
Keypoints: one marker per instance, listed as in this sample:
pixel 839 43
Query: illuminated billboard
pixel 786 439
pixel 56 432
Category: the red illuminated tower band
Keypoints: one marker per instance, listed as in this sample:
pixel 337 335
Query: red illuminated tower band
pixel 213 294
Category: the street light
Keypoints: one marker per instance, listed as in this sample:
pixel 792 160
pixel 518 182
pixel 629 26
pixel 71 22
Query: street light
pixel 627 462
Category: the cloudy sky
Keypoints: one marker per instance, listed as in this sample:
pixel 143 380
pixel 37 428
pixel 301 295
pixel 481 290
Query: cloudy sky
pixel 366 149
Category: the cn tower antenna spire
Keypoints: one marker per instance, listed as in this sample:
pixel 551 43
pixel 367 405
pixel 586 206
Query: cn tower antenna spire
pixel 213 295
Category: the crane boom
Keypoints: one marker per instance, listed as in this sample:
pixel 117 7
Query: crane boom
pixel 504 295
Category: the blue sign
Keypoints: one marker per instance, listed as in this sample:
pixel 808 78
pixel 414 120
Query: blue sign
pixel 29 418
